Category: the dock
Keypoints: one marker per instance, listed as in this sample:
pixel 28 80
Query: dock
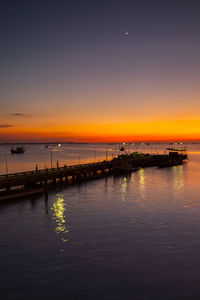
pixel 16 185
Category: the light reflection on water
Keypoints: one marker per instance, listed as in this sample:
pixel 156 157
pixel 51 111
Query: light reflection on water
pixel 124 185
pixel 178 180
pixel 59 208
pixel 141 174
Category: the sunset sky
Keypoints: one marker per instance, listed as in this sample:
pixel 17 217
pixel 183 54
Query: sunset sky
pixel 96 71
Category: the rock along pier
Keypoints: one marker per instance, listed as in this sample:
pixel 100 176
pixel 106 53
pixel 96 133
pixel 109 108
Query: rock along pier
pixel 21 184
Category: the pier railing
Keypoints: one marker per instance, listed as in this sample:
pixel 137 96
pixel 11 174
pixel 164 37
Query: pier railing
pixel 49 170
pixel 77 173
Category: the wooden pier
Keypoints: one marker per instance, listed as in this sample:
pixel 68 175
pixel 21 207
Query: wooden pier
pixel 26 183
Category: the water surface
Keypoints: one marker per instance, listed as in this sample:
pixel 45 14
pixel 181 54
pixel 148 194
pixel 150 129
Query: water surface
pixel 134 237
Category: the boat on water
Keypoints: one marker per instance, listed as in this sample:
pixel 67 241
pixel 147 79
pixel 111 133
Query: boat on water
pixel 17 150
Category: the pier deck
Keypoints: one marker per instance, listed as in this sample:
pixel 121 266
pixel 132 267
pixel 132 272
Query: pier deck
pixel 16 184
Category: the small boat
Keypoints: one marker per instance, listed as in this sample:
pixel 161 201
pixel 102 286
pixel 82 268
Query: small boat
pixel 121 148
pixel 17 150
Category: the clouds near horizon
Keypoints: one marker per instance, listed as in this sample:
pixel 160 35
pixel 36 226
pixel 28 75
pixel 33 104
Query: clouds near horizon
pixel 6 125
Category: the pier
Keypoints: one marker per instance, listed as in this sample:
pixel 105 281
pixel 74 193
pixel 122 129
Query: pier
pixel 20 184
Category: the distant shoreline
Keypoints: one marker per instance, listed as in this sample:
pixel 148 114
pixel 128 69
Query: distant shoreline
pixel 88 143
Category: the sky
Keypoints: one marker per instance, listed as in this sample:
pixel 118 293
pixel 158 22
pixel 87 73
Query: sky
pixel 99 71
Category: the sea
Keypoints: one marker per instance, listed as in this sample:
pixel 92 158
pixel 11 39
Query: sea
pixel 126 237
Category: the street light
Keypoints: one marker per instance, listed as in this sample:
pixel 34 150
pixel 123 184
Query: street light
pixel 51 157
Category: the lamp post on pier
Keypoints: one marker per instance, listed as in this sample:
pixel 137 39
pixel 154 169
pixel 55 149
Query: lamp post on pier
pixel 6 165
pixel 95 155
pixel 51 158
pixel 106 152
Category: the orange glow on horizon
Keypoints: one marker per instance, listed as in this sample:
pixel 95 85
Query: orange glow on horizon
pixel 106 132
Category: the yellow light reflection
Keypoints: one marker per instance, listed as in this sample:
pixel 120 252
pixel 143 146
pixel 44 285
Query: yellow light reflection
pixel 178 180
pixel 124 186
pixel 142 183
pixel 59 216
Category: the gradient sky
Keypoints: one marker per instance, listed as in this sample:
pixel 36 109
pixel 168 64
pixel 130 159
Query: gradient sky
pixel 68 71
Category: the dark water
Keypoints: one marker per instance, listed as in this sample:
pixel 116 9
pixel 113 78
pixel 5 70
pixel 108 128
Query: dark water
pixel 132 237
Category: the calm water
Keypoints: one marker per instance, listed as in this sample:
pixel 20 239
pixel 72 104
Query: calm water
pixel 132 237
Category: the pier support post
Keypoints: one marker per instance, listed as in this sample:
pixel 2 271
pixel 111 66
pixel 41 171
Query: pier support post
pixel 79 177
pixel 85 174
pixel 46 198
pixel 103 173
pixel 95 174
pixel 8 186
pixel 46 187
